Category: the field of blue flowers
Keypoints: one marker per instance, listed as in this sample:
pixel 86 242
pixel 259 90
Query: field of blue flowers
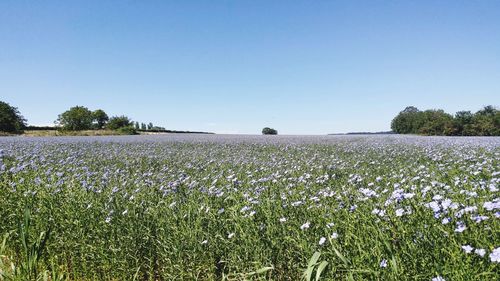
pixel 217 207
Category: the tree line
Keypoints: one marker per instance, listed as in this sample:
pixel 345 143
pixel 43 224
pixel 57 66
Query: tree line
pixel 485 122
pixel 436 122
pixel 81 118
pixel 76 118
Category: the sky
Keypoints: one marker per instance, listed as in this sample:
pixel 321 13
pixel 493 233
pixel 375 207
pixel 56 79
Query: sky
pixel 301 67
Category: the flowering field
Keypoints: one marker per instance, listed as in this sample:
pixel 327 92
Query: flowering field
pixel 250 208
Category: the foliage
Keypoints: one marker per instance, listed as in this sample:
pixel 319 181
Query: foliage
pixel 30 266
pixel 127 130
pixel 100 118
pixel 485 122
pixel 11 120
pixel 75 119
pixel 117 122
pixel 407 121
pixel 435 123
pixel 269 131
pixel 313 263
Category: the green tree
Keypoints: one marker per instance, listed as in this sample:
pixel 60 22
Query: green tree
pixel 269 131
pixel 76 118
pixel 117 122
pixel 407 121
pixel 10 119
pixel 143 126
pixel 485 122
pixel 136 125
pixel 100 118
pixel 435 123
pixel 150 126
pixel 461 123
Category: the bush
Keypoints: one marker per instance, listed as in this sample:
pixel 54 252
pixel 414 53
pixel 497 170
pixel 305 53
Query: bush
pixel 117 122
pixel 129 130
pixel 269 131
pixel 11 120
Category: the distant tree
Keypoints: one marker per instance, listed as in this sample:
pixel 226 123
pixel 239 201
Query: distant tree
pixel 150 126
pixel 136 125
pixel 407 121
pixel 269 131
pixel 461 123
pixel 76 118
pixel 435 123
pixel 143 126
pixel 157 128
pixel 488 110
pixel 99 118
pixel 10 119
pixel 485 122
pixel 117 122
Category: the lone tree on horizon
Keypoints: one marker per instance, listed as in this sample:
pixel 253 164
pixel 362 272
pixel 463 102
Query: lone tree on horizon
pixel 269 131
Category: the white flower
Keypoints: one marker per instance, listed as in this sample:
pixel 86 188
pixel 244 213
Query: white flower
pixel 408 195
pixel 334 235
pixel 322 241
pixel 230 235
pixel 467 248
pixel 434 206
pixel 445 221
pixel 437 197
pixel 283 220
pixel 400 212
pixel 305 226
pixel 490 206
pixel 383 263
pixel 480 252
pixel 460 227
pixel 204 242
pixel 438 278
pixel 495 255
pixel 124 212
pixel 479 219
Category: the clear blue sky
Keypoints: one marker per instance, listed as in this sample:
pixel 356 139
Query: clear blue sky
pixel 302 67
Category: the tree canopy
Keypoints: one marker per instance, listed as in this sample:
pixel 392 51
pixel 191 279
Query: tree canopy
pixel 485 122
pixel 76 118
pixel 117 122
pixel 11 120
pixel 269 131
pixel 100 118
